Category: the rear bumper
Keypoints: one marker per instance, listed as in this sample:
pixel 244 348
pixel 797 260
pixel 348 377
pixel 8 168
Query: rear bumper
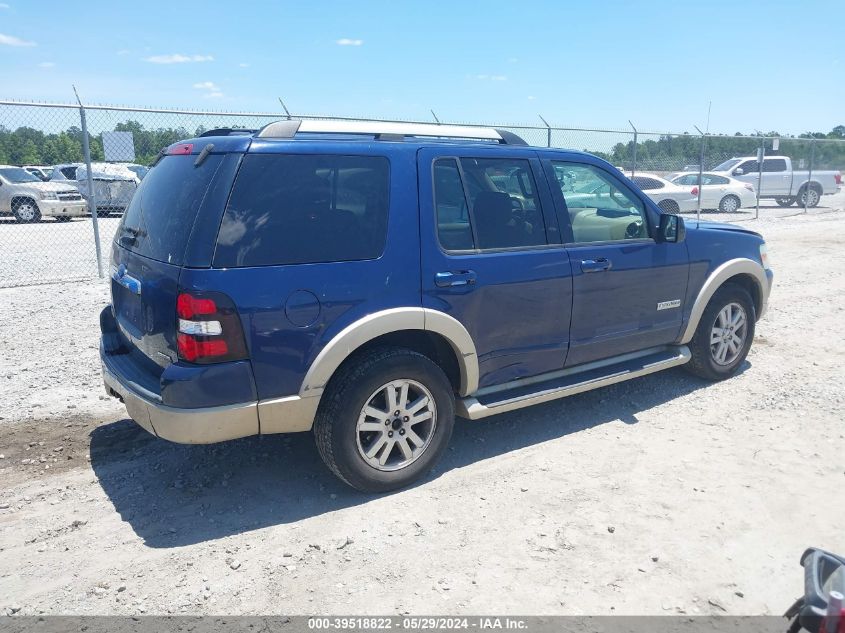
pixel 185 426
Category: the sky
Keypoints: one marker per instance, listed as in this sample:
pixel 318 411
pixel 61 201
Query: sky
pixel 765 65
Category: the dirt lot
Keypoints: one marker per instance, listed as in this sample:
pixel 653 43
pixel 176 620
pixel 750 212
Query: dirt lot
pixel 662 495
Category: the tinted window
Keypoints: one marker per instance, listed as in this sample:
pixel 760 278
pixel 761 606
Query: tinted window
pixel 749 167
pixel 163 209
pixel 600 207
pixel 300 209
pixel 487 203
pixel 69 172
pixel 774 164
pixel 647 184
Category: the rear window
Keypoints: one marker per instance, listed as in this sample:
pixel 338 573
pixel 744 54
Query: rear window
pixel 303 209
pixel 162 212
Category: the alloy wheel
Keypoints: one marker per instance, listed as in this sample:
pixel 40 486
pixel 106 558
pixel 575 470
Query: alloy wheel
pixel 396 425
pixel 728 334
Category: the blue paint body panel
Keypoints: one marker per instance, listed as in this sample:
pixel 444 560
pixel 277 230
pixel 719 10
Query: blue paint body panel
pixel 529 310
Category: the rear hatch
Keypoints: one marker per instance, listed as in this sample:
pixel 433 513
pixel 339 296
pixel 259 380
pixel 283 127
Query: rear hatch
pixel 153 243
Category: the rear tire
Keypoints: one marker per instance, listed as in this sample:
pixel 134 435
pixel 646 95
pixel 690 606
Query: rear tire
pixel 26 211
pixel 669 206
pixel 812 194
pixel 785 202
pixel 724 334
pixel 358 432
pixel 729 204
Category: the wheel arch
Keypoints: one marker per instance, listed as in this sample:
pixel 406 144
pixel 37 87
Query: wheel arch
pixel 812 184
pixel 22 197
pixel 430 332
pixel 742 271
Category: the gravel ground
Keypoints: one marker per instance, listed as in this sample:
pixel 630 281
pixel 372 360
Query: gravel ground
pixel 662 495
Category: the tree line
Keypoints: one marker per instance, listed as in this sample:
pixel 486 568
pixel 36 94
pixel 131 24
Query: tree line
pixel 673 152
pixel 29 146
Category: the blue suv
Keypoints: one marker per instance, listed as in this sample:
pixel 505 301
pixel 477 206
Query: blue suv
pixel 371 281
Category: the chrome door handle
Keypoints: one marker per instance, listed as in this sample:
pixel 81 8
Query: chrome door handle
pixel 449 279
pixel 595 265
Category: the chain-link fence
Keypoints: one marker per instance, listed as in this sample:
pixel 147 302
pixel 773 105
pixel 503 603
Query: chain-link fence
pixel 60 161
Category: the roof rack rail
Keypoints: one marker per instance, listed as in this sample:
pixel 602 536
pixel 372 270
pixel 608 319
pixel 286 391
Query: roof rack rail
pixel 387 130
pixel 228 131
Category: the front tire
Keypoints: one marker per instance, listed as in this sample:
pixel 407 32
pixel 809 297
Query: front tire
pixel 26 211
pixel 385 419
pixel 729 204
pixel 724 334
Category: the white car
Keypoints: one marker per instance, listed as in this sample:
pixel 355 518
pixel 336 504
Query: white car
pixel 670 197
pixel 719 192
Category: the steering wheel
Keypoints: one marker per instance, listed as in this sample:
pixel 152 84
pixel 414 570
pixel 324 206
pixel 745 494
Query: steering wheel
pixel 633 230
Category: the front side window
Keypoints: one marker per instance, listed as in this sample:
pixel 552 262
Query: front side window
pixel 600 207
pixel 486 204
pixel 688 179
pixel 303 209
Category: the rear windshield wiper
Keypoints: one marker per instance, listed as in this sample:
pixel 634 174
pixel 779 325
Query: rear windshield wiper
pixel 129 235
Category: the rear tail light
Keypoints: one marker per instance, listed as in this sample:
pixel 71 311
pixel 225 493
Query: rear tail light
pixel 209 328
pixel 694 191
pixel 180 149
pixel 838 177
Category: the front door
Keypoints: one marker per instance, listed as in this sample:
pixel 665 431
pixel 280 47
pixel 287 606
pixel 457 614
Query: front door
pixel 628 290
pixel 492 258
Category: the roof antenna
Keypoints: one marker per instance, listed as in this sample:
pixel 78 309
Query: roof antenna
pixel 435 117
pixel 287 112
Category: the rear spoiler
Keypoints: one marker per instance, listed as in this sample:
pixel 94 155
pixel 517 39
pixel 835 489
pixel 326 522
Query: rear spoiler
pixel 228 131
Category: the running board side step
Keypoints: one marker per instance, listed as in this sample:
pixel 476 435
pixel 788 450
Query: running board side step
pixel 568 382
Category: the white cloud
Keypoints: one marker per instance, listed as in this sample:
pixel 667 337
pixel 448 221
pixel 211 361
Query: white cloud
pixel 207 85
pixel 3 5
pixel 178 59
pixel 11 40
pixel 531 97
pixel 47 64
pixel 345 41
pixel 243 65
pixel 213 95
pixel 123 51
pixel 491 77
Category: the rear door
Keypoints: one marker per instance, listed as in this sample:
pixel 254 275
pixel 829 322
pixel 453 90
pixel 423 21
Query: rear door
pixel 492 258
pixel 149 250
pixel 628 289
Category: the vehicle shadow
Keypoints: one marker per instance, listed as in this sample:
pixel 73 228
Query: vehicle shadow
pixel 174 495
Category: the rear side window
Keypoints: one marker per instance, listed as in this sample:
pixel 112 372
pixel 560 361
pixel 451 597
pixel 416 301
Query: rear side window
pixel 647 184
pixel 774 164
pixel 303 209
pixel 164 207
pixel 486 204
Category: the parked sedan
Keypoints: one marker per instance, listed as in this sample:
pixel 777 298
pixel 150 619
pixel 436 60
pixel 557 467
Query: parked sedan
pixel 719 192
pixel 670 197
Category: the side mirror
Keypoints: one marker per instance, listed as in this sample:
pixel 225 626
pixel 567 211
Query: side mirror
pixel 739 171
pixel 671 229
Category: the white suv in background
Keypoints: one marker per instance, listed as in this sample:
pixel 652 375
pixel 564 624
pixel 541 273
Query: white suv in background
pixel 29 199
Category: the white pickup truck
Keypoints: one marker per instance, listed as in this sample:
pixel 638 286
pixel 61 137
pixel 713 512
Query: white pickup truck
pixel 780 181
